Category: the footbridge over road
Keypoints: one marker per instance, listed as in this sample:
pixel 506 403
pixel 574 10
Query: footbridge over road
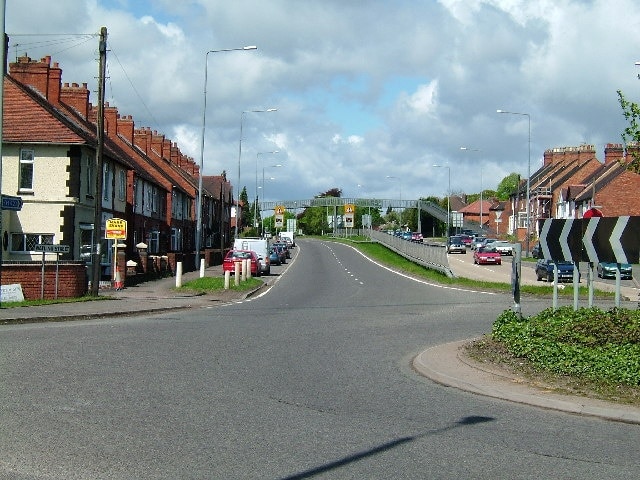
pixel 431 208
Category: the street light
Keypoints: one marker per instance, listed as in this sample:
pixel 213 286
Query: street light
pixel 201 173
pixel 263 195
pixel 240 156
pixel 528 178
pixel 476 150
pixel 448 196
pixel 255 210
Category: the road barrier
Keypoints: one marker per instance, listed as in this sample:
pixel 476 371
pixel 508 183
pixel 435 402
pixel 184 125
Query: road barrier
pixel 430 255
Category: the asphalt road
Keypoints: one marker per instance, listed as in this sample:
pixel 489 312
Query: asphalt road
pixel 309 380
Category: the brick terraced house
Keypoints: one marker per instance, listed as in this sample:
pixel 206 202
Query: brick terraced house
pixel 49 152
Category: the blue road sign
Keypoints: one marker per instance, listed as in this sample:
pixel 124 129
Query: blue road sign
pixel 11 203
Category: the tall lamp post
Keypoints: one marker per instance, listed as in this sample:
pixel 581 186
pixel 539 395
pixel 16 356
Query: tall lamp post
pixel 263 195
pixel 526 242
pixel 481 212
pixel 240 157
pixel 201 172
pixel 255 210
pixel 448 197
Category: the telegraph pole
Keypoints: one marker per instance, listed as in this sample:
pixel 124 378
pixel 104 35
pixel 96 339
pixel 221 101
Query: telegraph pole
pixel 97 219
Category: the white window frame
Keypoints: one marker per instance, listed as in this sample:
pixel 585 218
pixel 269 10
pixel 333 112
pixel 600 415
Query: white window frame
pixel 176 239
pixel 30 239
pixel 154 242
pixel 27 160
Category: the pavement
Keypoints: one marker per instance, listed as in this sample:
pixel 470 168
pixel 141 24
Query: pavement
pixel 445 364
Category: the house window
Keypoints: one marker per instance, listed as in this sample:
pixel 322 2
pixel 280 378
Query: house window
pixel 176 239
pixel 154 242
pixel 26 170
pixel 122 184
pixel 106 181
pixel 90 176
pixel 522 219
pixel 26 242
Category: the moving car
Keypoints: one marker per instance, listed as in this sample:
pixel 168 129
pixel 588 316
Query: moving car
pixel 456 245
pixel 544 270
pixel 505 248
pixel 234 256
pixel 417 237
pixel 487 256
pixel 608 270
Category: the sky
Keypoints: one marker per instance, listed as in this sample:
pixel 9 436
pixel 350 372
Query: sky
pixel 370 94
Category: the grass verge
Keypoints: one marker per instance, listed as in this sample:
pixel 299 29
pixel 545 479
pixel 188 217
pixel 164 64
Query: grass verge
pixel 208 284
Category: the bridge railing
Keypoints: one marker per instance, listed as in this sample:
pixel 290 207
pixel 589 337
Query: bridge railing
pixel 429 255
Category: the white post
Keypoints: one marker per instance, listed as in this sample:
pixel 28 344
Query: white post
pixel 244 269
pixel 227 279
pixel 237 266
pixel 178 274
pixel 201 267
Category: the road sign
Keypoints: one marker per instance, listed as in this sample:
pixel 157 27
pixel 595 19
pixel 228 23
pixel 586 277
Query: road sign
pixel 561 239
pixel 612 239
pixel 115 229
pixel 596 239
pixel 11 203
pixel 48 248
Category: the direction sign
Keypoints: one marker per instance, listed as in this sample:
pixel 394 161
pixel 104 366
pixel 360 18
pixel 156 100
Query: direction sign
pixel 48 248
pixel 11 203
pixel 561 239
pixel 595 239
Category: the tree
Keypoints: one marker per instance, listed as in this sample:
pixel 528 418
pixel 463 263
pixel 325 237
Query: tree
pixel 631 134
pixel 245 218
pixel 507 186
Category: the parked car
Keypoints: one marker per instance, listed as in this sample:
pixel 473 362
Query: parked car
pixel 285 246
pixel 536 251
pixel 487 256
pixel 274 256
pixel 544 270
pixel 406 235
pixel 608 270
pixel 456 245
pixel 505 248
pixel 281 250
pixel 417 237
pixel 234 256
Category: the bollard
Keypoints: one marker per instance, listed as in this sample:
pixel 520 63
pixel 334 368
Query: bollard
pixel 244 269
pixel 201 267
pixel 227 279
pixel 178 274
pixel 237 267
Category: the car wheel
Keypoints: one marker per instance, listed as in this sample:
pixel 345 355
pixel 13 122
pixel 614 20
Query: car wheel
pixel 550 278
pixel 538 276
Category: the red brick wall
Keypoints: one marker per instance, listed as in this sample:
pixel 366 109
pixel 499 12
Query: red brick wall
pixel 72 279
pixel 620 196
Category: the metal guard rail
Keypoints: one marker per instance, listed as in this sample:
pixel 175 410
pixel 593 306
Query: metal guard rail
pixel 429 255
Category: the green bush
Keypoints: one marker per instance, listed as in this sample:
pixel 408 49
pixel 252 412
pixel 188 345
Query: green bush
pixel 590 342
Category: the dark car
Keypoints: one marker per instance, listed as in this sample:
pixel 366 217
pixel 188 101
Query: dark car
pixel 544 270
pixel 284 246
pixel 274 256
pixel 536 252
pixel 608 270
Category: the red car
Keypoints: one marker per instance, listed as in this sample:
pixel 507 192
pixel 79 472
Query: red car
pixel 487 256
pixel 233 256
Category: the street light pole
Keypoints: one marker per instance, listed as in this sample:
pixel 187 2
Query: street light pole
pixel 526 253
pixel 448 197
pixel 240 157
pixel 255 210
pixel 201 172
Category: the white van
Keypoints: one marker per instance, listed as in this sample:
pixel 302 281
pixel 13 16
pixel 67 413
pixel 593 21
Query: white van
pixel 258 245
